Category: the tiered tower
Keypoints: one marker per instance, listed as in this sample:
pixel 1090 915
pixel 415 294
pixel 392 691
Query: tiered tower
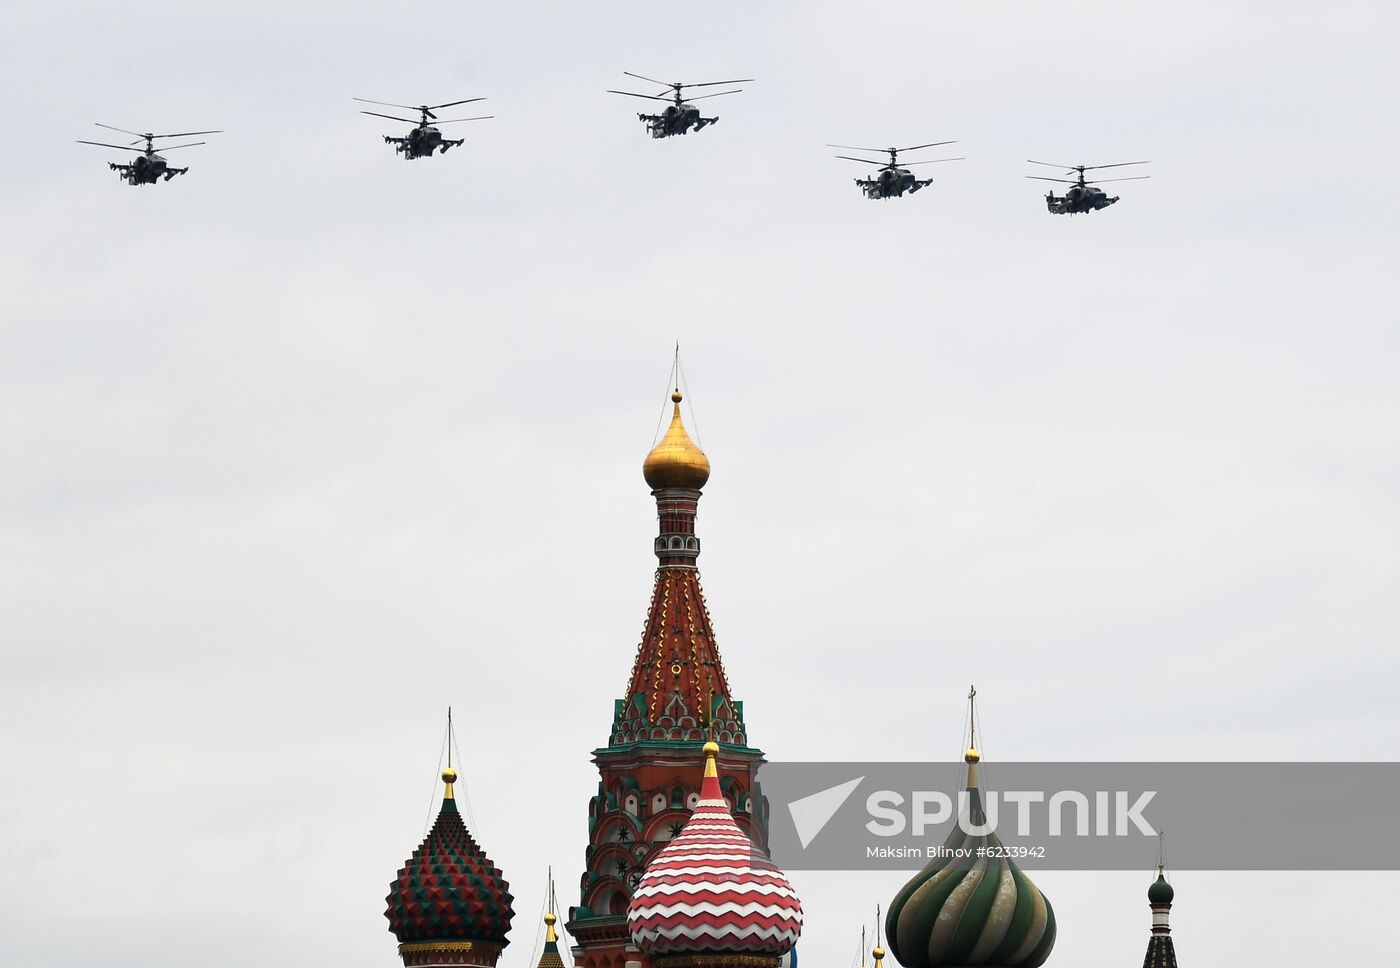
pixel 677 698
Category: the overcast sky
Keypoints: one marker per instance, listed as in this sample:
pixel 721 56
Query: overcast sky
pixel 309 443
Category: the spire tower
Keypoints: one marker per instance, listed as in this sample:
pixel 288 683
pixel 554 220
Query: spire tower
pixel 677 698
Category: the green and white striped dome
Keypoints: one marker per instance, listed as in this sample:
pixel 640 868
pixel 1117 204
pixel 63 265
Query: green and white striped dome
pixel 969 910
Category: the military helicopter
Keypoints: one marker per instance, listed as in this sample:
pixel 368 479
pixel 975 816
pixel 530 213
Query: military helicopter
pixel 147 167
pixel 893 179
pixel 1082 197
pixel 424 139
pixel 680 116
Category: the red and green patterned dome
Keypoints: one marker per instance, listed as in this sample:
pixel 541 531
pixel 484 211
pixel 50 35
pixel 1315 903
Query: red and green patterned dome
pixel 449 903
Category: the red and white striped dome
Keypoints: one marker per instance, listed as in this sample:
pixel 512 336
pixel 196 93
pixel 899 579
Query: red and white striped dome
pixel 711 889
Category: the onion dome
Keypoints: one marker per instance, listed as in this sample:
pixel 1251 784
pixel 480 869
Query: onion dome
pixel 1160 892
pixel 711 890
pixel 677 461
pixel 969 910
pixel 449 905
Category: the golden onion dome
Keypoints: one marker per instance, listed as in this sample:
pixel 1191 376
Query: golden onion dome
pixel 676 461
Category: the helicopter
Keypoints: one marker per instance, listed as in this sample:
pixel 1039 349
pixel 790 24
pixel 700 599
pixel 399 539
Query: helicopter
pixel 1082 197
pixel 680 116
pixel 893 179
pixel 424 139
pixel 147 167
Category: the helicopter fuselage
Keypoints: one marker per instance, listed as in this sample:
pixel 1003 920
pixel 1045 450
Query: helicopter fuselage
pixel 676 119
pixel 891 183
pixel 421 142
pixel 1079 200
pixel 146 169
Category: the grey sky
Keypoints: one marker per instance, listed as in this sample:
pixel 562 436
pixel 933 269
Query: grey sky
pixel 308 444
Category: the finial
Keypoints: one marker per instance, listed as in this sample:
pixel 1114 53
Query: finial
pixel 676 396
pixel 550 937
pixel 973 754
pixel 879 953
pixel 449 775
pixel 711 751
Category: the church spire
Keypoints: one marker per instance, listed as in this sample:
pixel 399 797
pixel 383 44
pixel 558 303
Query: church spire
pixel 549 957
pixel 678 683
pixel 1161 952
pixel 677 701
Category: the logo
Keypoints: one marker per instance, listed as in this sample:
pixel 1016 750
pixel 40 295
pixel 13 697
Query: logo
pixel 812 812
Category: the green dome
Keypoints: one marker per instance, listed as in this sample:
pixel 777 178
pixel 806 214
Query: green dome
pixel 966 911
pixel 1160 892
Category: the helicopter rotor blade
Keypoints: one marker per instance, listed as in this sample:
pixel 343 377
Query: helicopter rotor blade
pixel 453 104
pixel 933 145
pixel 651 80
pixel 484 117
pixel 741 80
pixel 701 97
pixel 1049 165
pixel 190 145
pixel 391 117
pixel 650 97
pixel 386 104
pixel 931 161
pixel 882 151
pixel 111 127
pixel 1064 181
pixel 1104 181
pixel 864 161
pixel 184 134
pixel 1121 164
pixel 103 144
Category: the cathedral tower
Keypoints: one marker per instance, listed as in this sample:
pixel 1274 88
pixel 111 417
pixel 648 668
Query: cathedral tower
pixel 677 698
